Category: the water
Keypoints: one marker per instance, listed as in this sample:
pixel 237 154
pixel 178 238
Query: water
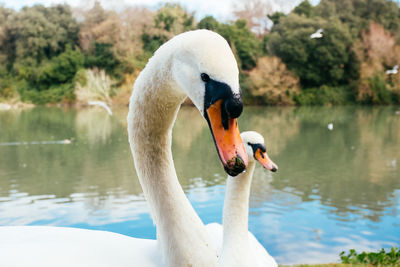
pixel 335 189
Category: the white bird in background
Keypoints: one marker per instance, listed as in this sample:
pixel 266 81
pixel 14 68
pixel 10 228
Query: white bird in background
pixel 317 34
pixel 393 71
pixel 330 126
pixel 101 104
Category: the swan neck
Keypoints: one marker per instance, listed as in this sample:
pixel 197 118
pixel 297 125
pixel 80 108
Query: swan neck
pixel 236 211
pixel 152 112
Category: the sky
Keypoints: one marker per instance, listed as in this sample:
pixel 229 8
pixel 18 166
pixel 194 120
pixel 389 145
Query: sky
pixel 221 9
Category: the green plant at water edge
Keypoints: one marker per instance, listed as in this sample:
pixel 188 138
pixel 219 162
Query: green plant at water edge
pixel 325 95
pixel 381 258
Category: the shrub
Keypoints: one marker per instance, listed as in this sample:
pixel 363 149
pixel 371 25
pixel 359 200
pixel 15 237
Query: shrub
pixel 272 82
pixel 381 258
pixel 52 81
pixel 325 95
pixel 54 94
pixel 93 84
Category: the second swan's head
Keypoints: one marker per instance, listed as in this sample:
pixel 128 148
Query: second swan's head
pixel 205 68
pixel 256 150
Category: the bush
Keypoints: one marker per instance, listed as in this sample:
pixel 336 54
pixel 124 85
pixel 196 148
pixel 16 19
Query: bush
pixel 102 57
pixel 272 82
pixel 93 84
pixel 375 90
pixel 325 95
pixel 54 94
pixel 53 80
pixel 381 258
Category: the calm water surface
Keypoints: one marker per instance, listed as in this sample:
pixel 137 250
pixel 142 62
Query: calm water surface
pixel 335 189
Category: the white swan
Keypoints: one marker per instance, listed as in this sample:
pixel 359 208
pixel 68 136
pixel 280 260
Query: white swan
pixel 236 245
pixel 198 64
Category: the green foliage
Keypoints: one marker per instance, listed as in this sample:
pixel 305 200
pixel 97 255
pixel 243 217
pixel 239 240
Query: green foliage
pixel 54 94
pixel 52 81
pixel 38 33
pixel 209 23
pixel 153 42
pixel 173 18
pixel 357 14
pixel 305 8
pixel 325 95
pixel 380 94
pixel 170 19
pixel 381 258
pixel 102 57
pixel 324 61
pixel 61 69
pixel 275 17
pixel 43 48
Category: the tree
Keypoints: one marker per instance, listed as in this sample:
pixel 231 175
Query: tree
pixel 377 51
pixel 255 12
pixel 305 8
pixel 209 23
pixel 52 81
pixel 359 13
pixel 325 61
pixel 272 82
pixel 170 20
pixel 102 57
pixel 173 18
pixel 275 17
pixel 38 33
pixel 99 26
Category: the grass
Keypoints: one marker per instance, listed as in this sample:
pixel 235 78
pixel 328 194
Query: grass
pixel 328 265
pixel 93 84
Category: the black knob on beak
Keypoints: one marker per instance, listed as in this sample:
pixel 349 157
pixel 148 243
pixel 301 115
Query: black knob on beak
pixel 234 106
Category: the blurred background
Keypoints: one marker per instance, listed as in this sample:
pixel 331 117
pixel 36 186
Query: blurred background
pixel 289 52
pixel 320 82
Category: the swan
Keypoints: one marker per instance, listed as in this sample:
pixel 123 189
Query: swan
pixel 198 64
pixel 236 245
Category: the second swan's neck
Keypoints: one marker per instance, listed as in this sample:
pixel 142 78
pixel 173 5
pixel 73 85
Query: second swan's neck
pixel 152 113
pixel 235 219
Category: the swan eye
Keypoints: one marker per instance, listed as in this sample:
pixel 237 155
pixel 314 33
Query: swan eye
pixel 205 77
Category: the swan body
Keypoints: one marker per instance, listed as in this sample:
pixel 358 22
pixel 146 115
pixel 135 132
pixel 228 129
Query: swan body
pixel 237 246
pixel 23 246
pixel 198 64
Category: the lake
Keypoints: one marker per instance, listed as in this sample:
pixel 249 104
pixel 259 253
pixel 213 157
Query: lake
pixel 336 189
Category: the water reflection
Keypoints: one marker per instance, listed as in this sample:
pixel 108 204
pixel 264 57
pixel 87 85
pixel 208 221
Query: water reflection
pixel 335 190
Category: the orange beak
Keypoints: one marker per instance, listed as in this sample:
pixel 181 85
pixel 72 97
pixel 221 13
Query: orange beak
pixel 263 158
pixel 227 139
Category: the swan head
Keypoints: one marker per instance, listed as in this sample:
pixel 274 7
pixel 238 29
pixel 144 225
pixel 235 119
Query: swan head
pixel 205 68
pixel 256 150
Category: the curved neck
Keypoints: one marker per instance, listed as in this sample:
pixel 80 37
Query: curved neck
pixel 235 217
pixel 153 108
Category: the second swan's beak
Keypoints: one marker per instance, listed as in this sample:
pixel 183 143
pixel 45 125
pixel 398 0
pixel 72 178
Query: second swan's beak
pixel 227 138
pixel 263 158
